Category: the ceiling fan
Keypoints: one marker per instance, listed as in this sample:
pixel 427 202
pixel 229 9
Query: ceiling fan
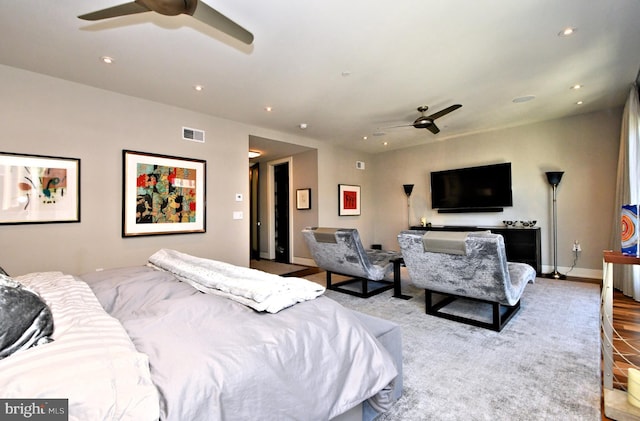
pixel 426 121
pixel 198 10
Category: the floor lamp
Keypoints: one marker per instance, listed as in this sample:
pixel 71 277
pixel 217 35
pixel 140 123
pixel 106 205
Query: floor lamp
pixel 554 178
pixel 408 188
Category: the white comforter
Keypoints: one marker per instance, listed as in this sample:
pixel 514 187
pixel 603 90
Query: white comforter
pixel 259 290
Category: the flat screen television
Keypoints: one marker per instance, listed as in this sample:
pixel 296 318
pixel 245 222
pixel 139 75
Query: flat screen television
pixel 476 189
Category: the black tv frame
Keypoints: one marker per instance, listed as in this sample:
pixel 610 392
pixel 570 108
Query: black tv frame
pixel 468 177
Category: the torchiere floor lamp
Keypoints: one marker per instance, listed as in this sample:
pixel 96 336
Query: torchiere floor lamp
pixel 554 178
pixel 408 188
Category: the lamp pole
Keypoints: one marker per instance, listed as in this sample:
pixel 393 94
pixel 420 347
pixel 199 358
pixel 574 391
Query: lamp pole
pixel 554 178
pixel 408 188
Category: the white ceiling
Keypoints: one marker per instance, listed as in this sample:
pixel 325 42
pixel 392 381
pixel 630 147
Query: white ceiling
pixel 347 69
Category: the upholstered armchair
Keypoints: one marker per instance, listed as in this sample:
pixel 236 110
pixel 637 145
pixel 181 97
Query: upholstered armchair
pixel 340 251
pixel 470 265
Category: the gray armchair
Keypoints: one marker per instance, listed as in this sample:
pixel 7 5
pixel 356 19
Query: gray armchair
pixel 340 251
pixel 470 265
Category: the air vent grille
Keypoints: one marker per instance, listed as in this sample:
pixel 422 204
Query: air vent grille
pixel 193 135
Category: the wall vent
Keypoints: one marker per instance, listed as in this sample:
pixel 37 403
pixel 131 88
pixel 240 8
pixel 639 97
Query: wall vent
pixel 360 165
pixel 193 135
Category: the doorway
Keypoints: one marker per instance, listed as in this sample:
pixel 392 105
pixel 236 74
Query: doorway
pixel 281 212
pixel 254 210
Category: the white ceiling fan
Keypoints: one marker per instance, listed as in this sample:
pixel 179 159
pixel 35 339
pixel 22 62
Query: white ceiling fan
pixel 198 10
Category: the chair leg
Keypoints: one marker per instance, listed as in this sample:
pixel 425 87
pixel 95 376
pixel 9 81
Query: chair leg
pixel 500 317
pixel 328 280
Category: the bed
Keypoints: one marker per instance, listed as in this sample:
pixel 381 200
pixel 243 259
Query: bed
pixel 164 342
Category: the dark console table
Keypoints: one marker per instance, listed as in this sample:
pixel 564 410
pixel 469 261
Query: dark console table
pixel 521 244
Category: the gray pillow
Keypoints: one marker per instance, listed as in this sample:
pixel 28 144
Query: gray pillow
pixel 25 319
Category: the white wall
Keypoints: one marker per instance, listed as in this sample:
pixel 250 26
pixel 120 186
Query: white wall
pixel 43 115
pixel 47 116
pixel 585 147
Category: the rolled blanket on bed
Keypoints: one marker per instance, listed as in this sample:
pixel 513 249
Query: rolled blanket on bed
pixel 259 290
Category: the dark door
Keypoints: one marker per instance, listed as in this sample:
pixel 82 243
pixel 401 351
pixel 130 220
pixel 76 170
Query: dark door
pixel 254 204
pixel 281 211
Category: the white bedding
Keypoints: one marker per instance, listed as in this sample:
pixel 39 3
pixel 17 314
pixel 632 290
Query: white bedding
pixel 92 362
pixel 215 359
pixel 259 290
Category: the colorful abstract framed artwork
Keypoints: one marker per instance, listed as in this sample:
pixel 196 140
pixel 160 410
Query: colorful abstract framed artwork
pixel 162 194
pixel 38 189
pixel 348 200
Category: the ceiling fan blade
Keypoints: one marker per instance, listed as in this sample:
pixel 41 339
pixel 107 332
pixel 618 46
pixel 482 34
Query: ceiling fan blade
pixel 433 128
pixel 115 11
pixel 444 112
pixel 212 17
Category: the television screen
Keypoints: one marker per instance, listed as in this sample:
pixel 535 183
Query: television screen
pixel 477 188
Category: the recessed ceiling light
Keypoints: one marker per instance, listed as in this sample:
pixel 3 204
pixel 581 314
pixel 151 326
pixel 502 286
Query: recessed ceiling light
pixel 198 87
pixel 346 73
pixel 364 138
pixel 579 103
pixel 576 86
pixel 268 109
pixel 254 154
pixel 386 143
pixel 107 59
pixel 303 126
pixel 525 98
pixel 567 32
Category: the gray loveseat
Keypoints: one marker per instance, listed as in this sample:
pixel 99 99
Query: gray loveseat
pixel 470 265
pixel 340 251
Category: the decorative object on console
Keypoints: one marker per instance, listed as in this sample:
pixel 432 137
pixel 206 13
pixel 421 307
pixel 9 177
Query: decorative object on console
pixel 629 230
pixel 528 224
pixel 408 189
pixel 39 189
pixel 554 178
pixel 510 224
pixel 162 194
pixel 348 200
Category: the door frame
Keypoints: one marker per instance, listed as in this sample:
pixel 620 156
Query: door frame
pixel 271 214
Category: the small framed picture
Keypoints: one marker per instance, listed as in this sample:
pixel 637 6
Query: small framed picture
pixel 348 200
pixel 162 194
pixel 39 189
pixel 303 199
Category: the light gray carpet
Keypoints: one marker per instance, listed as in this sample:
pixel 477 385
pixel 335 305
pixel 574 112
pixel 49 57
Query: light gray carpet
pixel 544 365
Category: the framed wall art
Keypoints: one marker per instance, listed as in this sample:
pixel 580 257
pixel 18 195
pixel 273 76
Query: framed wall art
pixel 303 199
pixel 39 189
pixel 162 194
pixel 348 200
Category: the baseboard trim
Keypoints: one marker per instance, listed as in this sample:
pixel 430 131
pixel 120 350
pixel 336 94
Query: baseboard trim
pixel 576 272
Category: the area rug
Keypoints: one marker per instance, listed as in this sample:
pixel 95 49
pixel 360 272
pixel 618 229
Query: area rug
pixel 544 365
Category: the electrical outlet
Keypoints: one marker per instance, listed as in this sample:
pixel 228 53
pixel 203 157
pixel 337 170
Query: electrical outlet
pixel 576 246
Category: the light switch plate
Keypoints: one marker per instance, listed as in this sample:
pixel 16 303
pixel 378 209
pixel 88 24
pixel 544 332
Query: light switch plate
pixel 238 215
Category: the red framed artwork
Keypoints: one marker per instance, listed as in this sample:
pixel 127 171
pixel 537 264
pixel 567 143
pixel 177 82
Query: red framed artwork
pixel 348 200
